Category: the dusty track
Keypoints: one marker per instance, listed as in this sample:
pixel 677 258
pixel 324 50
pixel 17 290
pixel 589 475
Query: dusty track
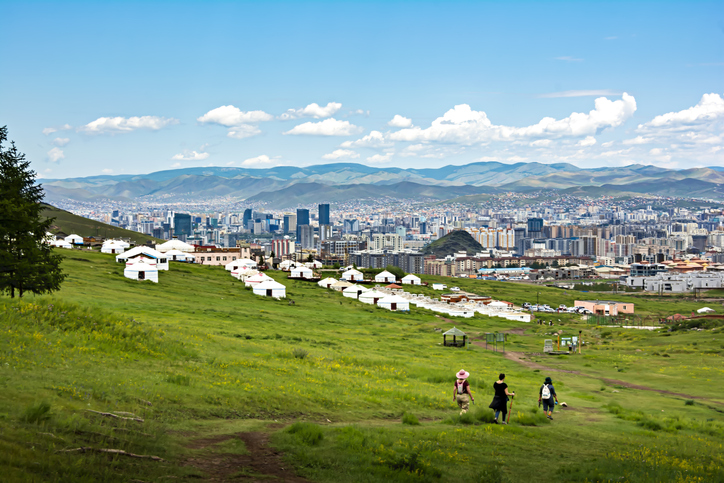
pixel 261 464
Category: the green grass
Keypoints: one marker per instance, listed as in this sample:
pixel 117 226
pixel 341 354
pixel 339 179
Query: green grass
pixel 198 355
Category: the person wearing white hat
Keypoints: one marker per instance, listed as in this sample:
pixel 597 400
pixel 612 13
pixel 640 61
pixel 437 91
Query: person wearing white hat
pixel 462 393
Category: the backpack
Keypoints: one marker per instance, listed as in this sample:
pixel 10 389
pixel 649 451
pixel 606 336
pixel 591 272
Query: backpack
pixel 461 387
pixel 546 393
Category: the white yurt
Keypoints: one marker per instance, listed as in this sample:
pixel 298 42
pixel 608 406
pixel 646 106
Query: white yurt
pixel 244 273
pixel 49 237
pixel 327 282
pixel 394 303
pixel 498 305
pixel 240 263
pixel 179 256
pixel 339 286
pixel 74 239
pixel 60 243
pixel 175 244
pixel 411 280
pixel 354 291
pixel 372 297
pixel 140 268
pixel 161 260
pixel 112 247
pixel 385 277
pixel 302 272
pixel 287 265
pixel 270 288
pixel 314 264
pixel 352 275
pixel 256 279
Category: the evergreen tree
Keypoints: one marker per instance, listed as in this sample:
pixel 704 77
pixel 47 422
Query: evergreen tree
pixel 27 263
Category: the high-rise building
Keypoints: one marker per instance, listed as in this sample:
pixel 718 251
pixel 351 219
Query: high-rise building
pixel 302 219
pixel 351 226
pixel 290 223
pixel 324 214
pixel 182 224
pixel 306 236
pixel 535 226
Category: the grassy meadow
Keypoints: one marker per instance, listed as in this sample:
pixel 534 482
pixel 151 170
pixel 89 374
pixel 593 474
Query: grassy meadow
pixel 348 392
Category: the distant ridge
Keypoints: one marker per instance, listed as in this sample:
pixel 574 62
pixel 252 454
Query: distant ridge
pixel 453 242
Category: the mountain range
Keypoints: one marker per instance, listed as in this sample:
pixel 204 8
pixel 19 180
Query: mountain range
pixel 287 186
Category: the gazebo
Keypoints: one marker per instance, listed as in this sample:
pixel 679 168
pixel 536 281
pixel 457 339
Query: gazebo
pixel 459 338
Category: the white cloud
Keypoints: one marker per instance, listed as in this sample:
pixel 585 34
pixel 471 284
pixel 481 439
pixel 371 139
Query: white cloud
pixel 375 139
pixel 60 142
pixel 399 121
pixel 341 154
pixel 710 108
pixel 380 158
pixel 107 171
pixel 516 159
pixel 607 144
pixel 589 141
pixel 488 159
pixel 51 130
pixel 55 155
pixel 259 160
pixel 637 140
pixel 541 143
pixel 462 125
pixel 231 116
pixel 312 110
pixel 328 127
pixel 568 58
pixel 583 93
pixel 176 165
pixel 358 112
pixel 243 131
pixel 190 156
pixel 104 125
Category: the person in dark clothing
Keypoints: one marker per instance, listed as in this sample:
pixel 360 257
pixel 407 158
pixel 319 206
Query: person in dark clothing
pixel 547 394
pixel 500 400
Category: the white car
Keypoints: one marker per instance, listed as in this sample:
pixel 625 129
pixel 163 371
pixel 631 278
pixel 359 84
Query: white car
pixel 454 289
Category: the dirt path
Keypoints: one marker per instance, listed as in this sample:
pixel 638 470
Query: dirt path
pixel 522 358
pixel 262 463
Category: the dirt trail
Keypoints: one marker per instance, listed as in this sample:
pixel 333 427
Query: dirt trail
pixel 521 358
pixel 262 463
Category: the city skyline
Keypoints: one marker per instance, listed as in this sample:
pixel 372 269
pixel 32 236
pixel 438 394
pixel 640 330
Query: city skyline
pixel 121 88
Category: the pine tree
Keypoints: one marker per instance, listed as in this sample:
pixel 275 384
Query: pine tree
pixel 27 263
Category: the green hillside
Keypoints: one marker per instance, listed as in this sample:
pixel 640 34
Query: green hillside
pixel 455 241
pixel 68 223
pixel 227 386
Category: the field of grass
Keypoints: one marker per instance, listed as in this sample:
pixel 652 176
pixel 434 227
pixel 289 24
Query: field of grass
pixel 337 386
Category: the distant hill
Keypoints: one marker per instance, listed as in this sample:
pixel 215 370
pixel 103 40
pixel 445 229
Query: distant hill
pixel 456 241
pixel 69 223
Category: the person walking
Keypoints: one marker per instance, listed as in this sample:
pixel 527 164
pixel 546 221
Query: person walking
pixel 462 393
pixel 500 400
pixel 547 394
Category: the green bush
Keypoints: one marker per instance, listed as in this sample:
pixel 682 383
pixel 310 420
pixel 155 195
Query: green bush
pixel 37 412
pixel 311 434
pixel 300 353
pixel 411 419
pixel 689 402
pixel 526 419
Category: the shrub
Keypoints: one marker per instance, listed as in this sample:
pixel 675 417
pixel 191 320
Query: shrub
pixel 310 433
pixel 689 402
pixel 467 418
pixel 300 353
pixel 411 419
pixel 412 463
pixel 485 416
pixel 525 419
pixel 37 413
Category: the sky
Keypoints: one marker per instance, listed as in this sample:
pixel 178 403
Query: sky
pixel 97 88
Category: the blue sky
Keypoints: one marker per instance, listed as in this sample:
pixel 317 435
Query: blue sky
pixel 92 88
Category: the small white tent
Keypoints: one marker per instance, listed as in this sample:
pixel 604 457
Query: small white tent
pixel 394 303
pixel 175 244
pixel 352 275
pixel 287 265
pixel 240 263
pixel 302 272
pixel 327 282
pixel 74 239
pixel 354 291
pixel 60 243
pixel 256 279
pixel 385 277
pixel 314 264
pixel 244 273
pixel 112 247
pixel 704 310
pixel 161 260
pixel 339 286
pixel 179 256
pixel 372 297
pixel 140 268
pixel 270 288
pixel 411 280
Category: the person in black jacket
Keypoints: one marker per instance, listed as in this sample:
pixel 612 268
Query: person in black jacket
pixel 500 400
pixel 548 390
